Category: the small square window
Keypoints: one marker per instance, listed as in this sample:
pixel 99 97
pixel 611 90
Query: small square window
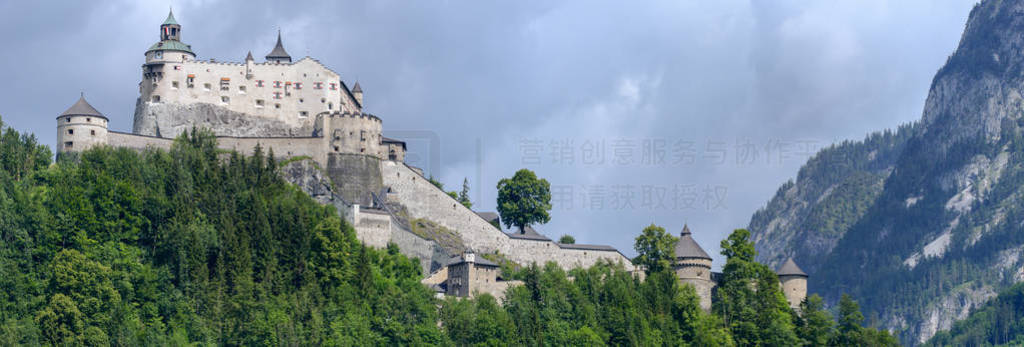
pixel 206 86
pixel 71 131
pixel 225 99
pixel 92 132
pixel 301 100
pixel 88 120
pixel 241 89
pixel 303 114
pixel 277 106
pixel 174 84
pixel 68 144
pixel 259 103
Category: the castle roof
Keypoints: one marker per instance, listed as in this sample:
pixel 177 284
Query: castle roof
pixel 82 108
pixel 356 88
pixel 490 217
pixel 278 51
pixel 528 234
pixel 170 19
pixel 170 45
pixel 248 57
pixel 687 247
pixel 789 268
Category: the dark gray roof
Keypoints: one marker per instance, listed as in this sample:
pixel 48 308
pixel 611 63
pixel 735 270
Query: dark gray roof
pixel 528 234
pixel 391 140
pixel 356 88
pixel 687 247
pixel 248 57
pixel 789 268
pixel 479 261
pixel 587 247
pixel 82 108
pixel 488 216
pixel 278 51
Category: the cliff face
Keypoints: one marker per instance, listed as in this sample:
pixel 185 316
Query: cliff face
pixel 923 223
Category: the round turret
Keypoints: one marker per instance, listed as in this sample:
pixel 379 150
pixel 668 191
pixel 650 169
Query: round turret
pixel 80 127
pixel 794 283
pixel 693 266
pixel 170 48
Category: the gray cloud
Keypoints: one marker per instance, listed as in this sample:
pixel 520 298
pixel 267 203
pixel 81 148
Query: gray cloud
pixel 776 75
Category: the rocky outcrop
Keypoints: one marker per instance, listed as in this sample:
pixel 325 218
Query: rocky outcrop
pixel 170 119
pixel 923 226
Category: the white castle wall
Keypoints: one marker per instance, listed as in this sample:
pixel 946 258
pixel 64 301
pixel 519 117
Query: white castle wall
pixel 288 92
pixel 78 133
pixel 424 200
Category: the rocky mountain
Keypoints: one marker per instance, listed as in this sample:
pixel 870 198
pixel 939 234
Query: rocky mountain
pixel 923 223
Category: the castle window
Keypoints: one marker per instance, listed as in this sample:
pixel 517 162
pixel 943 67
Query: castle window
pixel 174 85
pixel 225 100
pixel 158 55
pixel 71 131
pixel 335 148
pixel 88 120
pixel 277 84
pixel 156 98
pixel 190 81
pixel 277 95
pixel 225 83
pixel 259 83
pixel 241 89
pixel 92 132
pixel 334 86
pixel 278 106
pixel 301 100
pixel 323 100
pixel 298 85
pixel 318 85
pixel 206 86
pixel 68 144
pixel 259 103
pixel 330 106
pixel 303 114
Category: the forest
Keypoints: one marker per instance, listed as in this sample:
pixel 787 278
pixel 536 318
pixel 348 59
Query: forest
pixel 197 246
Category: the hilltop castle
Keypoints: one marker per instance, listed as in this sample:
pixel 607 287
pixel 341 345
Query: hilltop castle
pixel 303 109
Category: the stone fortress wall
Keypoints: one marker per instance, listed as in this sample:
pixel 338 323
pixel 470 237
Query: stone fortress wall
pixel 424 200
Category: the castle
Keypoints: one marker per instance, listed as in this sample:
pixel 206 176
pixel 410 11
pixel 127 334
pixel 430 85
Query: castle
pixel 693 266
pixel 304 110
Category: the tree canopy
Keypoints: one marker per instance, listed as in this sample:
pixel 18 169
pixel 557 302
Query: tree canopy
pixel 524 199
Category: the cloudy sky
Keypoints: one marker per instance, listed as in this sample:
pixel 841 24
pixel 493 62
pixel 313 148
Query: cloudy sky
pixel 665 112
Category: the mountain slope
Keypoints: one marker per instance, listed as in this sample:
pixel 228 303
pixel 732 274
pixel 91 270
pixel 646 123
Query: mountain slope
pixel 942 234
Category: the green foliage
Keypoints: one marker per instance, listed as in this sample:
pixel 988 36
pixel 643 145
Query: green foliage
pixel 463 196
pixel 655 249
pixel 999 322
pixel 117 247
pixel 567 239
pixel 524 199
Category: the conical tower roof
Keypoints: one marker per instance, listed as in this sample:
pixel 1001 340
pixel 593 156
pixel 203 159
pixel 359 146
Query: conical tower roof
pixel 82 108
pixel 356 88
pixel 687 247
pixel 170 19
pixel 789 268
pixel 248 57
pixel 279 51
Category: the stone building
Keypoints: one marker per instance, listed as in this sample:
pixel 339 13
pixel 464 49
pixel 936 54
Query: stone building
pixel 693 267
pixel 300 108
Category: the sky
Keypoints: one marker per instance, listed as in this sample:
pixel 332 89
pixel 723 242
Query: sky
pixel 663 112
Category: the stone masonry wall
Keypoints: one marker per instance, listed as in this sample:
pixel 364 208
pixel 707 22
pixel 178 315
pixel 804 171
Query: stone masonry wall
pixel 424 200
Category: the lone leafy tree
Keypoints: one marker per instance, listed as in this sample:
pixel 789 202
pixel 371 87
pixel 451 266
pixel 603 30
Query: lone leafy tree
pixel 524 199
pixel 655 249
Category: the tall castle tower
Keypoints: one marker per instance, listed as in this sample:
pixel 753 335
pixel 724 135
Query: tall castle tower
pixel 170 48
pixel 693 266
pixel 794 283
pixel 80 127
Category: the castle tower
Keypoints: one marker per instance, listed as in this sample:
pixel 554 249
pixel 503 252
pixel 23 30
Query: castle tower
pixel 693 266
pixel 80 127
pixel 249 63
pixel 794 283
pixel 170 48
pixel 278 55
pixel 357 92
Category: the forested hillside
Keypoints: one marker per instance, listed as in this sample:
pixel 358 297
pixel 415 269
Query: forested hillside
pixel 196 246
pixel 923 224
pixel 999 322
